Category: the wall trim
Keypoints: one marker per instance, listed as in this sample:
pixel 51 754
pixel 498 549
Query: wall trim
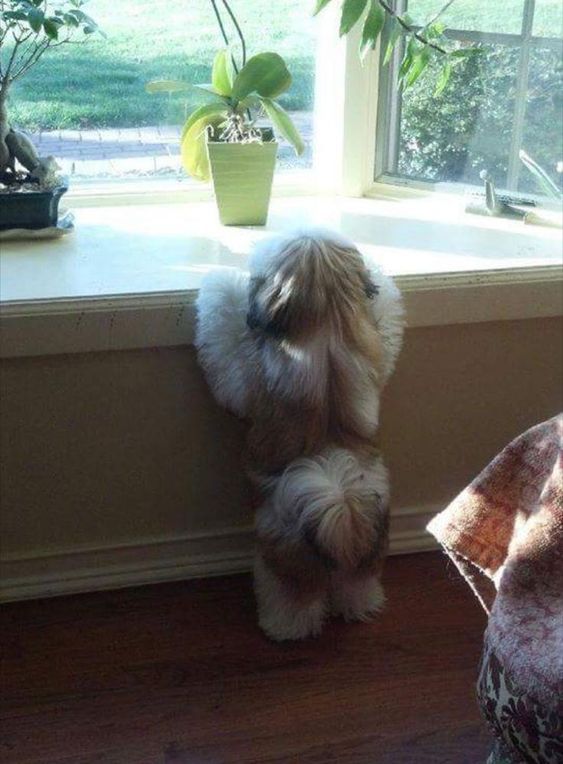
pixel 56 572
pixel 165 319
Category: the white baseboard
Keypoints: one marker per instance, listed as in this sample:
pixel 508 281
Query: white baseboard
pixel 84 569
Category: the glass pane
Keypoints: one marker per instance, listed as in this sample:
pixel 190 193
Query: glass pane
pixel 548 19
pixel 474 15
pixel 468 128
pixel 87 105
pixel 543 130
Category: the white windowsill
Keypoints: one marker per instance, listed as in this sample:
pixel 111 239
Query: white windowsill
pixel 127 276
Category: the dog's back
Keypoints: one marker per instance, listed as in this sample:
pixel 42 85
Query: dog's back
pixel 321 357
pixel 331 399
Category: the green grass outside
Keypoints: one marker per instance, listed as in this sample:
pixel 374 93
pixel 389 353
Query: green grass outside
pixel 102 83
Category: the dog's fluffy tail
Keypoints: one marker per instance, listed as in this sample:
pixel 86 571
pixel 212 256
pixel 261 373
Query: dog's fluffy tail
pixel 338 502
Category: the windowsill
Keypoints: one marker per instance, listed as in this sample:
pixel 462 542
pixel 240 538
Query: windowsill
pixel 123 261
pixel 145 190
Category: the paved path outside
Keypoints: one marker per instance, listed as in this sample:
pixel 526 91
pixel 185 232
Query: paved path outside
pixel 139 150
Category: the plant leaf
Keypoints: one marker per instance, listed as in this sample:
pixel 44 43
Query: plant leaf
pixel 207 111
pixel 351 12
pixel 265 74
pixel 193 147
pixel 418 65
pixel 443 79
pixel 372 28
pixel 14 16
pixel 70 20
pixel 394 34
pixel 222 73
pixel 210 91
pixel 433 31
pixel 35 19
pixel 407 59
pixel 51 29
pixel 319 5
pixel 282 122
pixel 167 86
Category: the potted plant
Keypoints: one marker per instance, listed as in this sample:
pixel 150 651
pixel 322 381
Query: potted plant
pixel 222 139
pixel 30 186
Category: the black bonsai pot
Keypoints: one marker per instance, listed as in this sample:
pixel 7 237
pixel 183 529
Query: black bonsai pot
pixel 30 209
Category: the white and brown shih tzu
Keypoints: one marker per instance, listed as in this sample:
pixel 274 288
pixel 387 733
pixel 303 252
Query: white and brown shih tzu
pixel 301 346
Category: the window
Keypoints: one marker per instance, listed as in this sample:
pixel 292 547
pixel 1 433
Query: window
pixel 505 99
pixel 87 105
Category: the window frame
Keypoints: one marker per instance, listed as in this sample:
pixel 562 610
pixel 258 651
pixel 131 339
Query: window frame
pixel 354 102
pixel 390 102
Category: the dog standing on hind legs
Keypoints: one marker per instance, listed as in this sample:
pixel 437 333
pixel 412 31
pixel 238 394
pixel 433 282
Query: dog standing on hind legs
pixel 302 347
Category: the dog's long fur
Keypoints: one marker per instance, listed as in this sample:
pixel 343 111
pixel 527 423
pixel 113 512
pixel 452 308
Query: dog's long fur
pixel 302 347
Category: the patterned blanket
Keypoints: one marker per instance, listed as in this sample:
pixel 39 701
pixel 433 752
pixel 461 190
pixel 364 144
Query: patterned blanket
pixel 505 533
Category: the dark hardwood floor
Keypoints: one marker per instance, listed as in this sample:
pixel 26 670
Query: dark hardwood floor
pixel 179 674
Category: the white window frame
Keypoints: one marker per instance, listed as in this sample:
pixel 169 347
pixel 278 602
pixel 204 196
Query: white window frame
pixel 351 144
pixel 347 95
pixel 385 169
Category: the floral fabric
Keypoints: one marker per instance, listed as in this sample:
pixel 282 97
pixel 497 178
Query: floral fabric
pixel 505 533
pixel 526 731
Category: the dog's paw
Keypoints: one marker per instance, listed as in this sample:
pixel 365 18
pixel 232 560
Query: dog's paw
pixel 292 623
pixel 358 599
pixel 282 614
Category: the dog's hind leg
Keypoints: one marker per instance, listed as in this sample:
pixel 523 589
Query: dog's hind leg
pixel 287 610
pixel 356 595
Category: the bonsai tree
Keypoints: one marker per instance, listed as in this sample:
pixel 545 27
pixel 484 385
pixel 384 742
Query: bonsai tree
pixel 28 29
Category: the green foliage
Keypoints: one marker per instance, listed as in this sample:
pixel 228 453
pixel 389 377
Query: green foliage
pixel 29 28
pixel 319 5
pixel 421 45
pixel 260 81
pixel 373 25
pixel 351 12
pixel 283 124
pixel 265 74
pixel 223 73
pixel 392 38
pixel 193 142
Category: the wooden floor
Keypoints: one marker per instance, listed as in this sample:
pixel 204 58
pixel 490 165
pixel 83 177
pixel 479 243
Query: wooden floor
pixel 179 674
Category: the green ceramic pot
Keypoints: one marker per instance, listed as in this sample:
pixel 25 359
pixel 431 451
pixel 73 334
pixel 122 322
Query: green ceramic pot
pixel 242 176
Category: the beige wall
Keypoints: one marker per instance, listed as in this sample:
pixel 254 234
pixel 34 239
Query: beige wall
pixel 460 394
pixel 111 448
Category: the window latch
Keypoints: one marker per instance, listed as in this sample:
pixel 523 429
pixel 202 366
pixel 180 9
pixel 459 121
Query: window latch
pixel 495 206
